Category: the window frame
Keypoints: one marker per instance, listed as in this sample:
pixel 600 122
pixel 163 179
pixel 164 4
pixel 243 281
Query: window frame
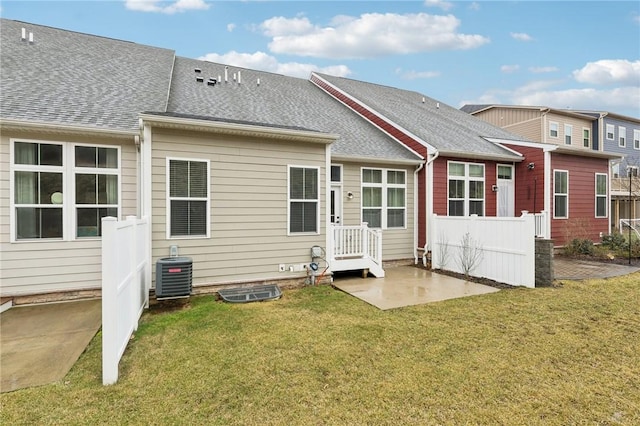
pixel 560 194
pixel 636 139
pixel 97 171
pixel 69 170
pixel 384 186
pixel 622 137
pixel 467 178
pixel 586 142
pixel 568 134
pixel 605 195
pixel 168 199
pixel 554 125
pixel 317 200
pixel 610 129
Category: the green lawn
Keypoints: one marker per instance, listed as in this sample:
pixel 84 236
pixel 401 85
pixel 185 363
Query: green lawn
pixel 551 356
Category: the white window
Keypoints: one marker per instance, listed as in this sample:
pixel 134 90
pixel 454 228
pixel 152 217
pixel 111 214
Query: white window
pixel 466 189
pixel 611 129
pixel 632 171
pixel 601 195
pixel 622 137
pixel 188 198
pixel 304 200
pixel 586 138
pixel 553 129
pixel 568 131
pixel 62 190
pixel 616 170
pixel 636 139
pixel 384 198
pixel 560 194
pixel 96 187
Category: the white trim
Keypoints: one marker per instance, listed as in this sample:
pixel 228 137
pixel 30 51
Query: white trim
pixel 384 185
pixel 557 126
pixel 590 143
pixel 568 131
pixel 560 193
pixel 68 171
pixel 636 139
pixel 622 137
pixel 606 196
pixel 467 178
pixel 168 199
pixel 317 200
pixel 613 132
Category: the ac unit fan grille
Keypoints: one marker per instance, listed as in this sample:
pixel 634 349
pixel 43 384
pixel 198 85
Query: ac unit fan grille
pixel 173 277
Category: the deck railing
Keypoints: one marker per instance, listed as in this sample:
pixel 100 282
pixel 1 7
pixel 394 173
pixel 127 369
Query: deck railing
pixel 357 242
pixel 542 225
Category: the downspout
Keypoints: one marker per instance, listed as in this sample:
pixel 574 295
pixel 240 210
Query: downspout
pixel 429 201
pixel 415 212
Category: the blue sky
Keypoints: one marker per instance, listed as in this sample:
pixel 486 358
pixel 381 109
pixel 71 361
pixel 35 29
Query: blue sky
pixel 573 54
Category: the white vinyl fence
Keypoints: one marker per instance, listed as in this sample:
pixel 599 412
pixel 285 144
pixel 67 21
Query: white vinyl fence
pixel 126 279
pixel 501 249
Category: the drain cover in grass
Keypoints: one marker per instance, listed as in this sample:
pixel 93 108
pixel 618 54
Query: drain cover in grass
pixel 250 294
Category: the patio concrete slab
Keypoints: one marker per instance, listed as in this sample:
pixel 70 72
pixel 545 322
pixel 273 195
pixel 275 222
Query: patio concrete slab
pixel 408 285
pixel 40 343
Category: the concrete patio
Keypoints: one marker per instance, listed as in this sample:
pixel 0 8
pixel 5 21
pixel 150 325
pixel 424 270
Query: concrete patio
pixel 409 285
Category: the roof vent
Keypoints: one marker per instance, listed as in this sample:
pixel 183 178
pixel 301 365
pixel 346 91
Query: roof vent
pixel 24 34
pixel 31 38
pixel 198 70
pixel 212 82
pixel 199 79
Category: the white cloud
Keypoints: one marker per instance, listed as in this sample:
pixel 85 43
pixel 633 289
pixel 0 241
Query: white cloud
pixel 415 75
pixel 231 27
pixel 474 6
pixel 160 6
pixel 370 35
pixel 444 5
pixel 521 36
pixel 507 69
pixel 624 100
pixel 540 70
pixel 264 62
pixel 617 99
pixel 610 71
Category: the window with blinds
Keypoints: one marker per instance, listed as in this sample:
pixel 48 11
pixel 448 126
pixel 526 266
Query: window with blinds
pixel 188 190
pixel 304 201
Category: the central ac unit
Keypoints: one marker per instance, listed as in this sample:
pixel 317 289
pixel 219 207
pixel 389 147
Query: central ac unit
pixel 173 277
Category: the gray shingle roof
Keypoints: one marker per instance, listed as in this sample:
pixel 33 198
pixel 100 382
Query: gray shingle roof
pixel 70 78
pixel 446 128
pixel 278 100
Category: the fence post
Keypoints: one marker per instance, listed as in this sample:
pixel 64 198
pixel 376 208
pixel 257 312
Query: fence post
pixel 109 296
pixel 134 290
pixel 433 242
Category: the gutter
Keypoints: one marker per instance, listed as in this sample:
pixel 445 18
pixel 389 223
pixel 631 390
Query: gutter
pixel 415 212
pixel 429 200
pixel 9 124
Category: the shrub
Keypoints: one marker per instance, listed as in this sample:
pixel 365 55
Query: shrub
pixel 580 246
pixel 614 241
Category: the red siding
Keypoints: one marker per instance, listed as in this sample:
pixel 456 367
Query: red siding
pixel 582 222
pixel 529 182
pixel 440 180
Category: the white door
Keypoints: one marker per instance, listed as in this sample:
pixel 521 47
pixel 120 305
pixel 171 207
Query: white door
pixel 506 191
pixel 336 205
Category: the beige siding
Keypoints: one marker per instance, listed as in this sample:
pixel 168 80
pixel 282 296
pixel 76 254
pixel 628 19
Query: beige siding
pixel 52 266
pixel 397 243
pixel 503 117
pixel 248 205
pixel 577 123
pixel 531 129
